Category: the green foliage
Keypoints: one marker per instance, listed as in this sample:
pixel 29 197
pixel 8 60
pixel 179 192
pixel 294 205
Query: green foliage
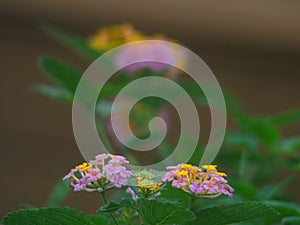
pixel 100 220
pixel 286 117
pixel 110 207
pixel 129 216
pixel 171 193
pixel 75 43
pixel 52 216
pixel 293 220
pixel 244 189
pixel 241 140
pixel 245 150
pixel 285 208
pixel 167 211
pixel 158 211
pixel 289 212
pixel 53 92
pixel 262 128
pixel 271 191
pixel 234 213
pixel 62 74
pixel 289 146
pixel 154 212
pixel 60 192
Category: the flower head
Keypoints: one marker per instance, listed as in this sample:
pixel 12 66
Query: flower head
pixel 105 172
pixel 157 52
pixel 109 37
pixel 147 184
pixel 203 181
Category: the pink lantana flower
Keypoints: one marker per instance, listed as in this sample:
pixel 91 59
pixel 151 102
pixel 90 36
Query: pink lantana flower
pixel 203 181
pixel 196 188
pixel 104 172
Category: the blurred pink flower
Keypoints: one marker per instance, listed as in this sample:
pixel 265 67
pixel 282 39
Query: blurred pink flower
pixel 157 52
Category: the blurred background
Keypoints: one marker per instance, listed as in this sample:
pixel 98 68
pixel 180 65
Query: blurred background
pixel 253 48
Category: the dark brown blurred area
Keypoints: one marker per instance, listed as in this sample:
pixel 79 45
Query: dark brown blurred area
pixel 253 47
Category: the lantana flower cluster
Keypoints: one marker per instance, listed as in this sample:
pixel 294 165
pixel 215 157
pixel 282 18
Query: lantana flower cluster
pixel 147 184
pixel 203 181
pixel 107 171
pixel 110 37
pixel 104 172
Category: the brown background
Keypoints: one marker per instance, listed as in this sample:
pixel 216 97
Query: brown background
pixel 253 47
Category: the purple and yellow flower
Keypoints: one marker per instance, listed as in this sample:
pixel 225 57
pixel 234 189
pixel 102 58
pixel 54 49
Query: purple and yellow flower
pixel 103 173
pixel 110 37
pixel 204 181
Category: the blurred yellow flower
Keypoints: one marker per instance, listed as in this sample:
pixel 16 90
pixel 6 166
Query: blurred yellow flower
pixel 112 36
pixel 109 37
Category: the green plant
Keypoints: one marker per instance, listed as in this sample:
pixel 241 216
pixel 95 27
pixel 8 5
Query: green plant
pixel 254 151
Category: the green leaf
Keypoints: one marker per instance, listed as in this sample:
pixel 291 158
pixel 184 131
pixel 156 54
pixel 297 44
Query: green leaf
pixel 289 212
pixel 114 206
pixel 168 192
pixel 234 213
pixel 229 158
pixel 129 216
pixel 232 105
pixel 241 140
pixel 53 92
pixel 154 212
pixel 77 44
pixel 293 220
pixel 289 145
pixel 110 207
pixel 60 192
pixel 262 128
pixel 53 216
pixel 244 189
pixel 270 191
pixel 62 74
pixel 100 220
pixel 285 208
pixel 287 117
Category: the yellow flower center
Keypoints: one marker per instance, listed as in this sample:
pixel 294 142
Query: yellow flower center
pixel 84 167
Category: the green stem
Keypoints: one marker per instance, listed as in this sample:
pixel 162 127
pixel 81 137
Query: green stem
pixel 192 202
pixel 105 202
